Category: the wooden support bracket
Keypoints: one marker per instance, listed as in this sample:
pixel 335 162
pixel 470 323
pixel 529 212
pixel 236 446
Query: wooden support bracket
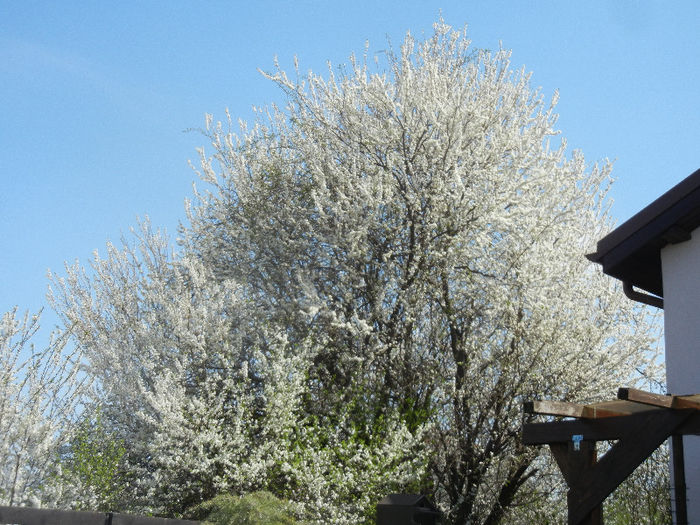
pixel 596 483
pixel 638 421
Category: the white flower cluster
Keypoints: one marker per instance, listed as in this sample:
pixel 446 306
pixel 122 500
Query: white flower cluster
pixel 40 391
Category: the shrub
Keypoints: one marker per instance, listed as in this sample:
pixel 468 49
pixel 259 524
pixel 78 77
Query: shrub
pixel 256 508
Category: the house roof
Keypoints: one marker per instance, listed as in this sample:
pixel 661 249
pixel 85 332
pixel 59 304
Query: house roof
pixel 631 252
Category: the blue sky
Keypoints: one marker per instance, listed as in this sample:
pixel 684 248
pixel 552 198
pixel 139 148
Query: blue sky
pixel 96 98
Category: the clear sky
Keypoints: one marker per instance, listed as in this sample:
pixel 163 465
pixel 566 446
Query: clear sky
pixel 96 98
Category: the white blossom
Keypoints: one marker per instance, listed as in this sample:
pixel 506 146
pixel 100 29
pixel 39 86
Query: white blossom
pixel 40 393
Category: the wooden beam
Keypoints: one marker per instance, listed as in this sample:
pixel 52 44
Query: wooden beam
pixel 605 429
pixel 691 427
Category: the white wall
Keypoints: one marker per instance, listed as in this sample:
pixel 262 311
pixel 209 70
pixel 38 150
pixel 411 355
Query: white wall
pixel 681 278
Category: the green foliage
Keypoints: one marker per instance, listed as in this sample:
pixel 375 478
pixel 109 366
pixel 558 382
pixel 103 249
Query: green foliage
pixel 354 466
pixel 644 498
pixel 91 466
pixel 257 508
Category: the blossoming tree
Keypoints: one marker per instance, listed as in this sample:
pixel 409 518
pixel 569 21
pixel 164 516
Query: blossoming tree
pixel 371 282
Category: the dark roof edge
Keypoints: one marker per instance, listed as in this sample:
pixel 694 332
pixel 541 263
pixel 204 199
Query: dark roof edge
pixel 645 216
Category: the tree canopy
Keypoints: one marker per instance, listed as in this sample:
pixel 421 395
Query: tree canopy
pixel 370 282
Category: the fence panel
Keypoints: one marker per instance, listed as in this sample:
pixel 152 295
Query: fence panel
pixel 32 516
pixel 128 519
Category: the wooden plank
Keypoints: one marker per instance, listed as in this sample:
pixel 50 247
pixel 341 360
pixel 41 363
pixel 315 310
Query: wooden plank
pixel 647 398
pixel 576 410
pixel 554 408
pixel 659 400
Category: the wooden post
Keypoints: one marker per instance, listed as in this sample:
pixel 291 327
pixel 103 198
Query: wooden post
pixel 575 458
pixel 679 488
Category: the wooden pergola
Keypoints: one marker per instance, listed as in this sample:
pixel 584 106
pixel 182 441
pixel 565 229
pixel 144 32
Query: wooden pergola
pixel 638 421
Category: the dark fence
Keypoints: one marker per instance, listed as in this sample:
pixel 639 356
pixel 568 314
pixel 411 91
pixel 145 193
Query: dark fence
pixel 31 516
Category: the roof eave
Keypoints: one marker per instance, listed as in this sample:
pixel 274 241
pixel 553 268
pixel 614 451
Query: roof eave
pixel 632 251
